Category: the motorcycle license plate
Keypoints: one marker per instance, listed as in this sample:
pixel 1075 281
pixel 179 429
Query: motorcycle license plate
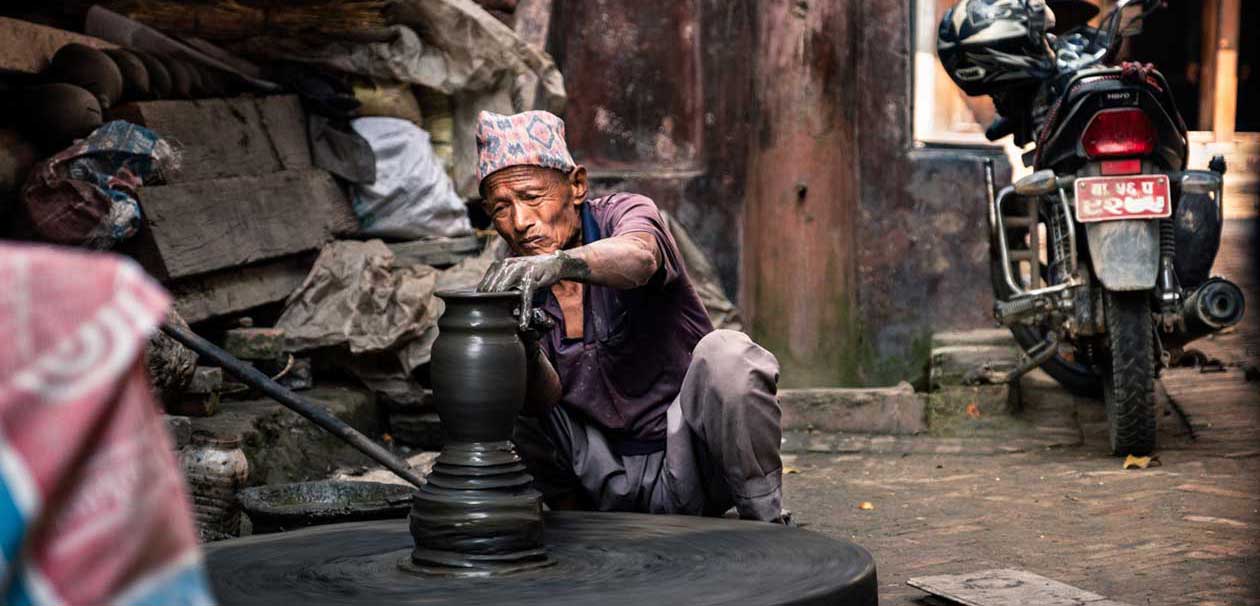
pixel 1128 197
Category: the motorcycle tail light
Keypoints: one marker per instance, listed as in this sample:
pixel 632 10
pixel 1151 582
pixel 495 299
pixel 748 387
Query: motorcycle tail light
pixel 1129 166
pixel 1119 132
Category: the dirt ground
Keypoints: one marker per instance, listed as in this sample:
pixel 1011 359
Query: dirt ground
pixel 1185 532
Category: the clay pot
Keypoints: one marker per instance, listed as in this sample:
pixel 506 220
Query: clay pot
pixel 88 68
pixel 135 76
pixel 479 513
pixel 54 115
pixel 159 78
pixel 478 367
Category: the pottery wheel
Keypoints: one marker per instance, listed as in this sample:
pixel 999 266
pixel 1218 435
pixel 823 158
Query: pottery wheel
pixel 600 558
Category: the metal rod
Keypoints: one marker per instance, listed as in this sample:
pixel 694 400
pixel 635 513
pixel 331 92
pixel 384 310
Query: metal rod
pixel 313 412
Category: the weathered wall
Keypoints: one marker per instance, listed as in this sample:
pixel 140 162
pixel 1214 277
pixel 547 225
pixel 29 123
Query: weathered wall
pixel 779 132
pixel 801 237
pixel 923 265
pixel 658 105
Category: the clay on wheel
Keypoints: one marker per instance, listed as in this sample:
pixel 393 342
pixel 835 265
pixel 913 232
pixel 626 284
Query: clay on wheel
pixel 608 559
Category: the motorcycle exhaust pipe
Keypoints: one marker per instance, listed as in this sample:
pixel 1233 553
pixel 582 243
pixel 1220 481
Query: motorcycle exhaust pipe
pixel 1215 305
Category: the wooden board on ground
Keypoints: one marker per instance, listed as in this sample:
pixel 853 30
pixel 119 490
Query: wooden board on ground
pixel 27 47
pixel 220 138
pixel 237 289
pixel 438 251
pixel 193 228
pixel 1007 588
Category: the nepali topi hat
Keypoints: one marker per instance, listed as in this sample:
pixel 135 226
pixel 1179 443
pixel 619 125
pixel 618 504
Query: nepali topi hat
pixel 533 138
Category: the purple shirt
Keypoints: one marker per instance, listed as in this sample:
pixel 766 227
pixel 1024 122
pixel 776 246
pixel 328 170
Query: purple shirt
pixel 629 364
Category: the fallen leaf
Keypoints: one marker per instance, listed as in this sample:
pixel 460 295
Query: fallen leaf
pixel 973 411
pixel 1132 462
pixel 866 506
pixel 790 470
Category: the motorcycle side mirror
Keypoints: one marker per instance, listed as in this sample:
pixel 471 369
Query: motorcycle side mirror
pixel 1037 184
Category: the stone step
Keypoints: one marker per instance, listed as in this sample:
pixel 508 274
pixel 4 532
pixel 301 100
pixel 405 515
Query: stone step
pixel 969 364
pixel 879 410
pixel 984 336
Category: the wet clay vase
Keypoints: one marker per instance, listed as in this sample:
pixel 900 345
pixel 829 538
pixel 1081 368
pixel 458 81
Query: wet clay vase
pixel 478 514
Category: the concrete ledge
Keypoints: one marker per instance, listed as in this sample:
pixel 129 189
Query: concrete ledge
pixel 883 410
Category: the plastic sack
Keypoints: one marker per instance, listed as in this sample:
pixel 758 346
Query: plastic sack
pixel 412 197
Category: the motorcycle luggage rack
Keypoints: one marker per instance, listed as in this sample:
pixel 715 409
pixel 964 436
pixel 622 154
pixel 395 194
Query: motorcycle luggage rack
pixel 998 224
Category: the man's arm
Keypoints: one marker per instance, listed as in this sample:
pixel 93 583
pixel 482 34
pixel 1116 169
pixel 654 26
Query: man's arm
pixel 625 261
pixel 543 388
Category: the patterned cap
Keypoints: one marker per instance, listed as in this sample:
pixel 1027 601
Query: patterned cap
pixel 534 138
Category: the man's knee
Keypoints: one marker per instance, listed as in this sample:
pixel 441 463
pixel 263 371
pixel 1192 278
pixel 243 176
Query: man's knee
pixel 728 354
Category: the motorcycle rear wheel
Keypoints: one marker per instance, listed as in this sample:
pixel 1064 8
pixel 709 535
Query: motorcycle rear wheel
pixel 1129 379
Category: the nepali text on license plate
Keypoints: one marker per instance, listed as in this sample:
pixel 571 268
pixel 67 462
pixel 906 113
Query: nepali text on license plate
pixel 1131 197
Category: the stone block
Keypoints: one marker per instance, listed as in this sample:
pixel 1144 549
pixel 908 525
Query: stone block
pixel 180 430
pixel 422 430
pixel 884 410
pixel 255 343
pixel 970 364
pixel 206 380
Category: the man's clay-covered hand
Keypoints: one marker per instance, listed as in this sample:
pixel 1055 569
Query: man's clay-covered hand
pixel 530 274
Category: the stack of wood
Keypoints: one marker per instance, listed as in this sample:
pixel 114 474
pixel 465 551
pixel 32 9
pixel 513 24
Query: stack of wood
pixel 231 20
pixel 237 226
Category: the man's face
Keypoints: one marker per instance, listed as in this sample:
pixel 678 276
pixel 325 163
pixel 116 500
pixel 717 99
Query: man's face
pixel 535 209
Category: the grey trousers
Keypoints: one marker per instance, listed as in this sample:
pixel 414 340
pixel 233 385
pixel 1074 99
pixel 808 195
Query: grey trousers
pixel 722 444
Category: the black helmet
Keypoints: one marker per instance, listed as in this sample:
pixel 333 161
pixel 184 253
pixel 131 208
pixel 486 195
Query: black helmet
pixel 988 46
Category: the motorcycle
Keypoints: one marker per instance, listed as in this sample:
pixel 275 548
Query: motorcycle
pixel 1101 258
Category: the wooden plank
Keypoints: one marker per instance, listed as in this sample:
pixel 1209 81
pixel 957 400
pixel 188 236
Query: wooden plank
pixel 220 138
pixel 27 47
pixel 193 228
pixel 1207 71
pixel 439 251
pixel 1225 101
pixel 285 124
pixel 238 289
pixel 1007 588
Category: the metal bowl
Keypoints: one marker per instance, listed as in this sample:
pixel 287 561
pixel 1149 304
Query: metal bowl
pixel 280 507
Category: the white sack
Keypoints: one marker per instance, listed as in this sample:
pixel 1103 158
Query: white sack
pixel 412 197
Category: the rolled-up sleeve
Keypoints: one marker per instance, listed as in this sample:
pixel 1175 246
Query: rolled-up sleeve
pixel 633 213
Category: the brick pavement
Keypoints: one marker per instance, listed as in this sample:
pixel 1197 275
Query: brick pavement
pixel 1186 532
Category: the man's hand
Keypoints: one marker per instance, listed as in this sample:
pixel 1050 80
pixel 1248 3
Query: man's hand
pixel 530 274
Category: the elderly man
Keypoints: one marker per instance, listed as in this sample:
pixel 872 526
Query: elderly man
pixel 638 404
